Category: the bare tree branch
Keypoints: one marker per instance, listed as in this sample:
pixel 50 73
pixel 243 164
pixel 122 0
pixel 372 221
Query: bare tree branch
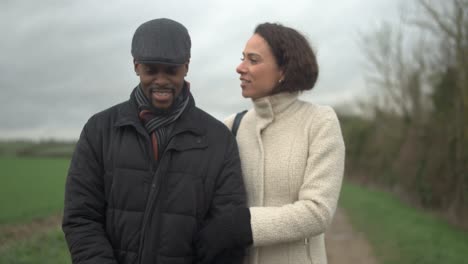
pixel 438 19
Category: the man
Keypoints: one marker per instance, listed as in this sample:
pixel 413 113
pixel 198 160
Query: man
pixel 147 174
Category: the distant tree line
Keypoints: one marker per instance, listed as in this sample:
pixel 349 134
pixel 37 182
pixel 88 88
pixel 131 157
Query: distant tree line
pixel 412 135
pixel 43 148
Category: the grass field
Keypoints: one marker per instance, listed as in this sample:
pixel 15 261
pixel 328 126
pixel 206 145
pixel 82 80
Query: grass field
pixel 31 188
pixel 47 247
pixel 402 234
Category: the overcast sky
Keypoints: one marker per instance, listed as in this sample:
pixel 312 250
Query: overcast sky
pixel 63 60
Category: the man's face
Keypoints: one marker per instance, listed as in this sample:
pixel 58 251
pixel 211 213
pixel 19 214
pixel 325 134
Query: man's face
pixel 161 83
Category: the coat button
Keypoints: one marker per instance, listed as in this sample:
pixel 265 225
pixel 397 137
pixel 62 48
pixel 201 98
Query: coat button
pixel 198 140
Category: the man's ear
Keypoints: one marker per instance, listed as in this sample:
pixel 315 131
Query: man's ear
pixel 186 65
pixel 135 64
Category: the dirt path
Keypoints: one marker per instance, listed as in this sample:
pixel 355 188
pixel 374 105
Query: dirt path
pixel 345 245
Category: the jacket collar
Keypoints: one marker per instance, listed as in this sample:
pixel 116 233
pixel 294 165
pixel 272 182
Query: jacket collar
pixel 272 107
pixel 189 120
pixel 128 114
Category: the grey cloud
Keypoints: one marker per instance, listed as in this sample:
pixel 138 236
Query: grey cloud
pixel 62 61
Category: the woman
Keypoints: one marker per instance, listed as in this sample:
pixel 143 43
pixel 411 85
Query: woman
pixel 292 156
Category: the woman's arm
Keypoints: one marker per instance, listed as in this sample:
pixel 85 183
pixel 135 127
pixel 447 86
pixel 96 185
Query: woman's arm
pixel 318 195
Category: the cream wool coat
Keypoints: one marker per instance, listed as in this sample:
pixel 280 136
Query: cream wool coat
pixel 292 156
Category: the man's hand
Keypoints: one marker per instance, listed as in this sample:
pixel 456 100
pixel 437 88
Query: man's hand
pixel 225 232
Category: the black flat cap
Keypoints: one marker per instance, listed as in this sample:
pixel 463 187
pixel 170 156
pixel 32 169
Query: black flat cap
pixel 161 41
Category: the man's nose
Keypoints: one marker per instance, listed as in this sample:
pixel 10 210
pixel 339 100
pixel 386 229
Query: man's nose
pixel 160 79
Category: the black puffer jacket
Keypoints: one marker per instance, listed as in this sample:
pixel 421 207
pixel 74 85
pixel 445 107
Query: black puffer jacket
pixel 120 209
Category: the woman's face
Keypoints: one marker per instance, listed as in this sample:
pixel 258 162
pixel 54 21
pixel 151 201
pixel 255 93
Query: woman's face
pixel 259 73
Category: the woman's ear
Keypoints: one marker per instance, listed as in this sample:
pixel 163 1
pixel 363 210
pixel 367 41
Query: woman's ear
pixel 281 76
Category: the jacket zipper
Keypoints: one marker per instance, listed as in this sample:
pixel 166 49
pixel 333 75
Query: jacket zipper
pixel 154 191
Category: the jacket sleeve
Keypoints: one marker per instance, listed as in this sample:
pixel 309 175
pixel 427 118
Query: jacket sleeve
pixel 312 213
pixel 84 211
pixel 229 194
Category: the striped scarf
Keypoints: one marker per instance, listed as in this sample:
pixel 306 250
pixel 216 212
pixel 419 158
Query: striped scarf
pixel 157 121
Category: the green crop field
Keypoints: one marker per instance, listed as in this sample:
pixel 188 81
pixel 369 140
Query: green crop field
pixel 31 188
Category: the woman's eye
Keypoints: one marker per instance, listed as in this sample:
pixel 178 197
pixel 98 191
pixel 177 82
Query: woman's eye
pixel 251 60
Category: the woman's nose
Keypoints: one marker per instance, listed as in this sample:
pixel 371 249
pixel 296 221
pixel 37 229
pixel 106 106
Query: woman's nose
pixel 241 68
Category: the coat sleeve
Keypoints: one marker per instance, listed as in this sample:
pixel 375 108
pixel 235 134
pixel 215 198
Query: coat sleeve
pixel 229 190
pixel 229 194
pixel 84 210
pixel 312 213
